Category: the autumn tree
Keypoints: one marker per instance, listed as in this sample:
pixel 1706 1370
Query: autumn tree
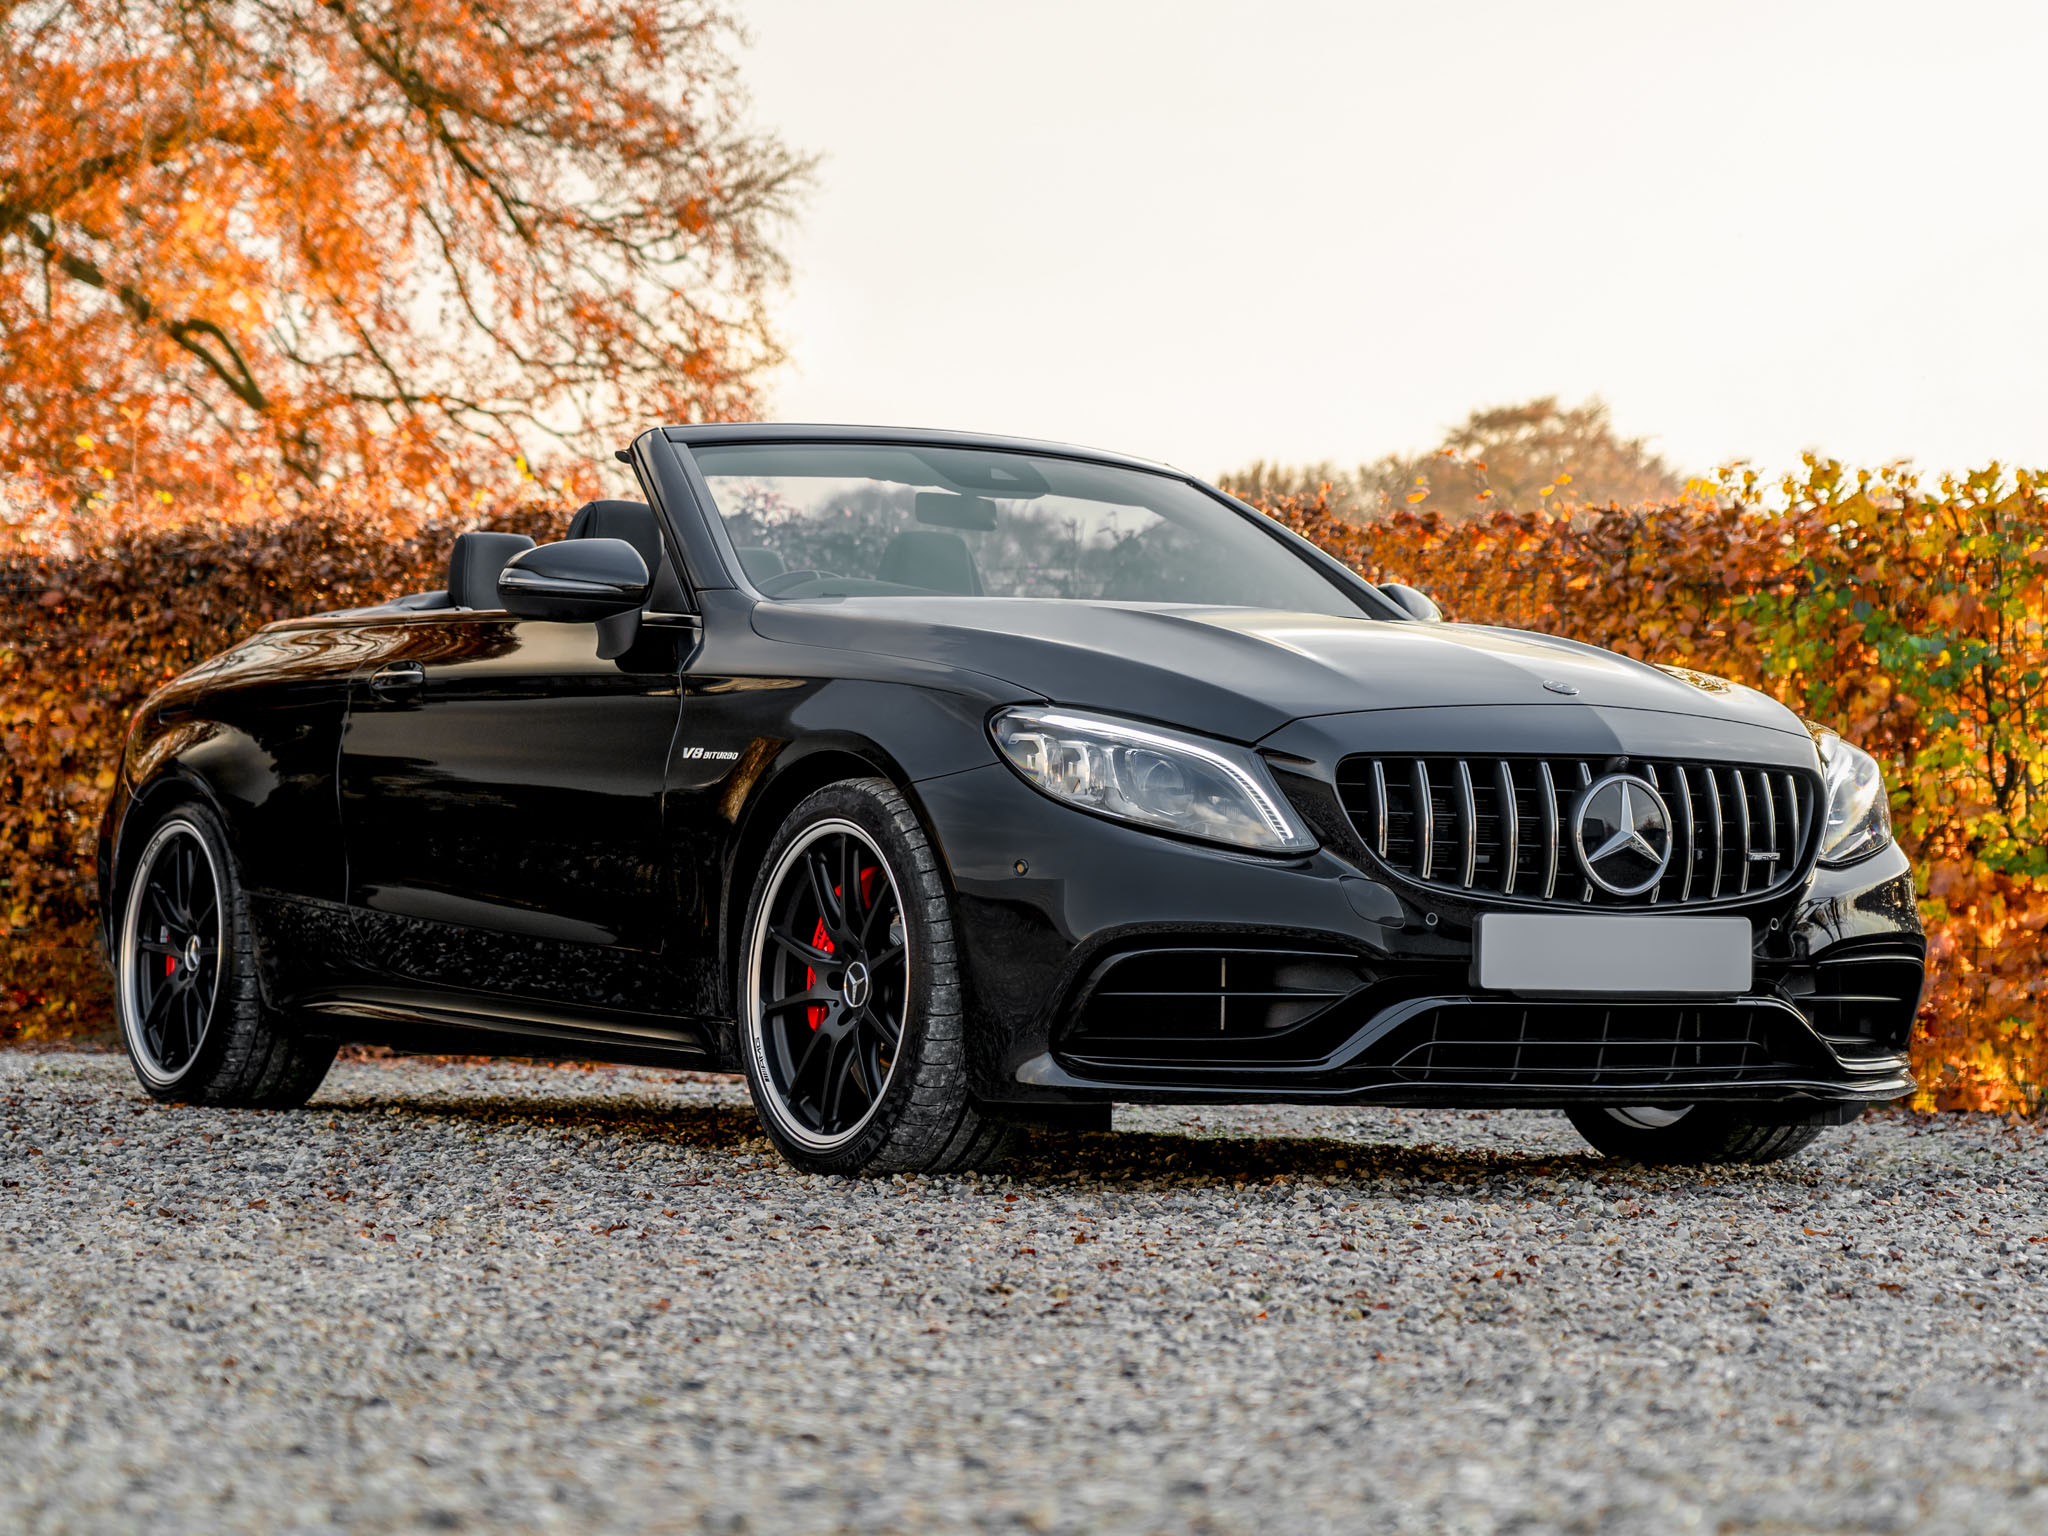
pixel 1501 456
pixel 304 237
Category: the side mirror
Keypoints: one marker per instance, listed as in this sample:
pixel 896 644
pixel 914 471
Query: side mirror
pixel 578 581
pixel 1417 605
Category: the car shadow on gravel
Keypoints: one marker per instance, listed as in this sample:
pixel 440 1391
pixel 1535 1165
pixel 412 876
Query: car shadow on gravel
pixel 711 1127
pixel 1153 1157
pixel 1047 1157
pixel 1131 1157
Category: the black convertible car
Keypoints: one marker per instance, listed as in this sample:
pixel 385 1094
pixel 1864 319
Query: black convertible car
pixel 943 784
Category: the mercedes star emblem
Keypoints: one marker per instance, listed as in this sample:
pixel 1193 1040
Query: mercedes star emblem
pixel 1621 830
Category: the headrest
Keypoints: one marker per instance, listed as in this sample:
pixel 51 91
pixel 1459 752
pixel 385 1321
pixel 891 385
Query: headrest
pixel 634 522
pixel 925 557
pixel 759 561
pixel 474 564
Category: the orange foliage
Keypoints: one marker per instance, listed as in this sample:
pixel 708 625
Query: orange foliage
pixel 415 236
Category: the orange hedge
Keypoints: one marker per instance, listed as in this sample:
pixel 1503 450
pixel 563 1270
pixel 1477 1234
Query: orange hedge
pixel 98 608
pixel 1910 618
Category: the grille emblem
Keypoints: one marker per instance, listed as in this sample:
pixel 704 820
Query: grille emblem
pixel 1621 831
pixel 855 990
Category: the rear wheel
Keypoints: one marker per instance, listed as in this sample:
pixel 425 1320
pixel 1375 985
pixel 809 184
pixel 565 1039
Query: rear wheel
pixel 851 1027
pixel 1702 1133
pixel 185 988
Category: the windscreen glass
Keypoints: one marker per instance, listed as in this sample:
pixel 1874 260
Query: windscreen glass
pixel 828 520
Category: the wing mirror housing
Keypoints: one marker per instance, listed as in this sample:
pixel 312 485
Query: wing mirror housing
pixel 1416 604
pixel 580 581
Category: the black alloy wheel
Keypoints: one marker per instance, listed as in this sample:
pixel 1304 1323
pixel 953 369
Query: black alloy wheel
pixel 171 952
pixel 185 989
pixel 852 1031
pixel 832 984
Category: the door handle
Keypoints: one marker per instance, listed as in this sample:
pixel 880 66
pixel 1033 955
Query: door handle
pixel 400 674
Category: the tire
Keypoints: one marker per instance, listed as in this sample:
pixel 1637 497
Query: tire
pixel 852 1031
pixel 185 990
pixel 1705 1133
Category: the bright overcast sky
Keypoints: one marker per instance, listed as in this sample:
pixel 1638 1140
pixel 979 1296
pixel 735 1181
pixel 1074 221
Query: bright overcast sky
pixel 1210 232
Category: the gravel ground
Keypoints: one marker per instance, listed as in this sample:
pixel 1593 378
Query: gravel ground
pixel 515 1298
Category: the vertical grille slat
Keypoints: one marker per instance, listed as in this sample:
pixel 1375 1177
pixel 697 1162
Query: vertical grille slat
pixel 1585 780
pixel 1714 814
pixel 1742 822
pixel 1510 825
pixel 1379 803
pixel 1691 842
pixel 1771 870
pixel 1425 822
pixel 1468 824
pixel 1502 826
pixel 1550 814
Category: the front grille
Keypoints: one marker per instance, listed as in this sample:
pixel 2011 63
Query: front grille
pixel 1503 826
pixel 1572 1046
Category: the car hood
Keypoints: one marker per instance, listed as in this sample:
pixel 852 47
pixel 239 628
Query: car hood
pixel 1243 673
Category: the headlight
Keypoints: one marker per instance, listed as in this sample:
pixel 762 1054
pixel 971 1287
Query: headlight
pixel 1859 818
pixel 1151 776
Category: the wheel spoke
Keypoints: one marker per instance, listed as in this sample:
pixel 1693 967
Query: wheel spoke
pixel 157 905
pixel 810 954
pixel 809 999
pixel 154 1017
pixel 888 956
pixel 191 1021
pixel 845 1059
pixel 885 1029
pixel 829 909
pixel 817 1049
pixel 182 860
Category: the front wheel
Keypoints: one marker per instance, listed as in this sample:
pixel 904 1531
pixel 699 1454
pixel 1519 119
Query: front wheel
pixel 852 1032
pixel 185 991
pixel 1703 1133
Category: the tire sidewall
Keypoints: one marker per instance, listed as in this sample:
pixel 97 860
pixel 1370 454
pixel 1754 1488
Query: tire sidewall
pixel 932 978
pixel 190 1083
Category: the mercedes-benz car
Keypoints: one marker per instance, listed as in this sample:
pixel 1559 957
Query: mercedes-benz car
pixel 946 784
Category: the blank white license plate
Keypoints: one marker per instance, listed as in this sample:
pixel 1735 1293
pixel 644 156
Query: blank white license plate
pixel 1587 952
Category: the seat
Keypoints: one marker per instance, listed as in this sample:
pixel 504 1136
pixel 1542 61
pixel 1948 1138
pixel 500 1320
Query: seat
pixel 474 564
pixel 932 559
pixel 634 522
pixel 759 561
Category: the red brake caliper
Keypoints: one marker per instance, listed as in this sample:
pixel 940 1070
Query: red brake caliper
pixel 815 1014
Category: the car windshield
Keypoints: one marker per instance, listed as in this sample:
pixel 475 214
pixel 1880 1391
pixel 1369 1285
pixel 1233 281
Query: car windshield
pixel 864 520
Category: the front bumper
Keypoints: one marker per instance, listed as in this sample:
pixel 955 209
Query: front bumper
pixel 1106 963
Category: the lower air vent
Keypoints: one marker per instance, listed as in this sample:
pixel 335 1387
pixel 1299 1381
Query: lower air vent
pixel 1552 1046
pixel 1199 1004
pixel 1860 1003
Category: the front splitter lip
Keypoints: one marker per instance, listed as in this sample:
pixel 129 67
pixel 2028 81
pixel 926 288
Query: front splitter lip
pixel 1043 1072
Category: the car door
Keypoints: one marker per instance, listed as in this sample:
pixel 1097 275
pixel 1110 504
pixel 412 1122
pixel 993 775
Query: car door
pixel 501 796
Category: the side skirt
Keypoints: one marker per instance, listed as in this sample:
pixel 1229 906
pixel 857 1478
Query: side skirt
pixel 422 1019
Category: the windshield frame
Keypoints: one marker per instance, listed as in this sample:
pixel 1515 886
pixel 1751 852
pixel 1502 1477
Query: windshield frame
pixel 1370 602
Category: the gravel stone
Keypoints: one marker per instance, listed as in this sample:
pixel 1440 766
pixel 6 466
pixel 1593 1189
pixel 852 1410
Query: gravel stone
pixel 520 1298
